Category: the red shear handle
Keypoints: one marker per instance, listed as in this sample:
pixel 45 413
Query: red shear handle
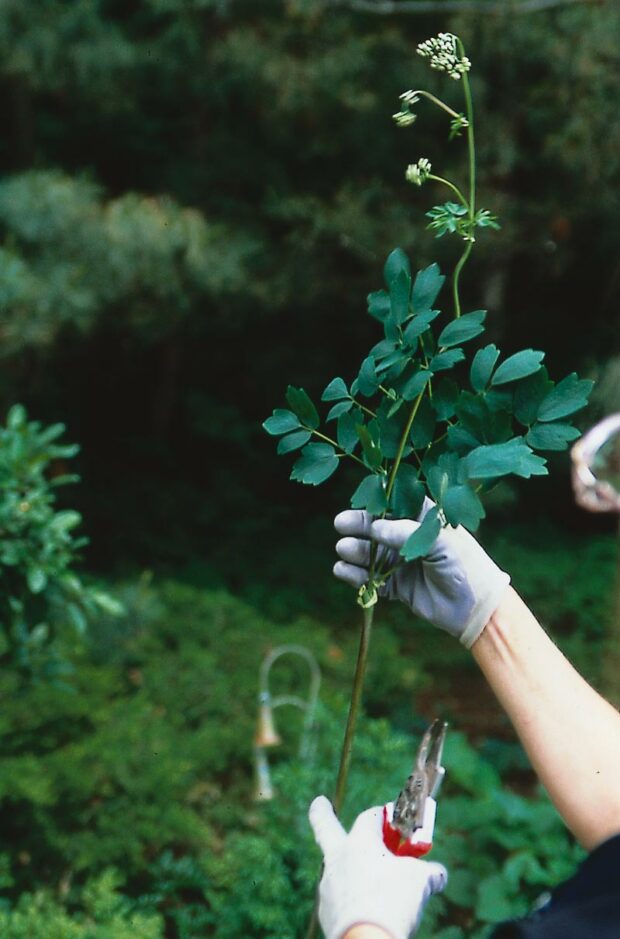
pixel 416 845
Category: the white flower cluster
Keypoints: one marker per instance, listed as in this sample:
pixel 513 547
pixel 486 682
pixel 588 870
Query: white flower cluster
pixel 443 54
pixel 405 116
pixel 419 172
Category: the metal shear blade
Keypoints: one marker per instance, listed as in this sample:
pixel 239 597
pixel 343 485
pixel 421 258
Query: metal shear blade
pixel 424 781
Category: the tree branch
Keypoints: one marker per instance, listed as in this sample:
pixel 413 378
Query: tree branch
pixel 387 7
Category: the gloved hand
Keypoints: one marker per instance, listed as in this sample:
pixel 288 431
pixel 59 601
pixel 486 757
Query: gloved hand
pixel 456 586
pixel 363 882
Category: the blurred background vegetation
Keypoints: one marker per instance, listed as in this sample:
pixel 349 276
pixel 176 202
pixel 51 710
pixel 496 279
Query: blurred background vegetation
pixel 196 196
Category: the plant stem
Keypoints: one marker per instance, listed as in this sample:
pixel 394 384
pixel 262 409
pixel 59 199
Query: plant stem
pixel 335 444
pixel 471 149
pixel 455 189
pixel 363 407
pixel 402 444
pixel 455 278
pixel 354 707
pixel 440 104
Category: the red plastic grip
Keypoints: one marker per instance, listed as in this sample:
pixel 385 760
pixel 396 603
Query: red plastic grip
pixel 402 847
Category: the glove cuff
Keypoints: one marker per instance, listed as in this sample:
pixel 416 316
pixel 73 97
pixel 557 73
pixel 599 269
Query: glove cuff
pixel 484 610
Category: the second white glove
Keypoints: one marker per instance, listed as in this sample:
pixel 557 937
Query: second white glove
pixel 363 882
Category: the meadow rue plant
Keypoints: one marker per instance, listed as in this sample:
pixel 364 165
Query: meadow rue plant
pixel 432 411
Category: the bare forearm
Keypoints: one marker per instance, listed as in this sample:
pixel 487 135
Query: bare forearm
pixel 571 734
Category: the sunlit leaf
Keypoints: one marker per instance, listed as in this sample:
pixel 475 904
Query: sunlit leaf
pixel 501 459
pixel 408 493
pixel 482 366
pixel 335 391
pixel 569 395
pixel 318 461
pixel 281 422
pixel 516 366
pixel 293 441
pixel 462 506
pixel 426 287
pixel 551 436
pixel 463 329
pixel 421 541
pixel 371 495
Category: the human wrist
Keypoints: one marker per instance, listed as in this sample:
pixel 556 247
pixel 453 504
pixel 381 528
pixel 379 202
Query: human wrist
pixel 366 931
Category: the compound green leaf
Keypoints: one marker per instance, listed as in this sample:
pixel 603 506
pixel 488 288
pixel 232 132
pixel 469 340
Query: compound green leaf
pixel 281 422
pixel 421 541
pixel 400 290
pixel 415 384
pixel 335 391
pixel 461 440
pixel 445 360
pixel 293 441
pixel 379 305
pixel 397 263
pixel 418 325
pixel 445 393
pixel 391 426
pixel 383 348
pixel 369 439
pixel 346 430
pixel 519 365
pixel 303 407
pixel 407 494
pixel 551 436
pixel 482 366
pixel 423 426
pixel 500 459
pixel 569 395
pixel 318 461
pixel 463 329
pixel 367 381
pixel 426 287
pixel 397 357
pixel 462 506
pixel 395 406
pixel 341 407
pixel 438 481
pixel 370 495
pixel 529 394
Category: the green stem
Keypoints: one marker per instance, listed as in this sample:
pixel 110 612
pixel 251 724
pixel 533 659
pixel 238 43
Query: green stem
pixel 440 104
pixel 471 149
pixel 455 189
pixel 455 278
pixel 334 443
pixel 363 408
pixel 403 444
pixel 354 708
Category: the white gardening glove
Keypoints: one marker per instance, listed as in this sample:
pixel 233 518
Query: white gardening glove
pixel 363 882
pixel 456 586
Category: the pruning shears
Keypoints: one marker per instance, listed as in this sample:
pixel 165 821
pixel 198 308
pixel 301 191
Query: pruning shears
pixel 408 823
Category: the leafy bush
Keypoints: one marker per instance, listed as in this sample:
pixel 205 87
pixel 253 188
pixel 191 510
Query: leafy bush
pixel 39 593
pixel 502 849
pixel 105 914
pixel 142 761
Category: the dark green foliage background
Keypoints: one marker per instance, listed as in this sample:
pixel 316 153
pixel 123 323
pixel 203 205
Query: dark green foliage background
pixel 195 198
pixel 198 196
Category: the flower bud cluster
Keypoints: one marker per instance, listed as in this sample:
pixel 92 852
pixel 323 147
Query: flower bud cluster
pixel 443 54
pixel 418 173
pixel 405 116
